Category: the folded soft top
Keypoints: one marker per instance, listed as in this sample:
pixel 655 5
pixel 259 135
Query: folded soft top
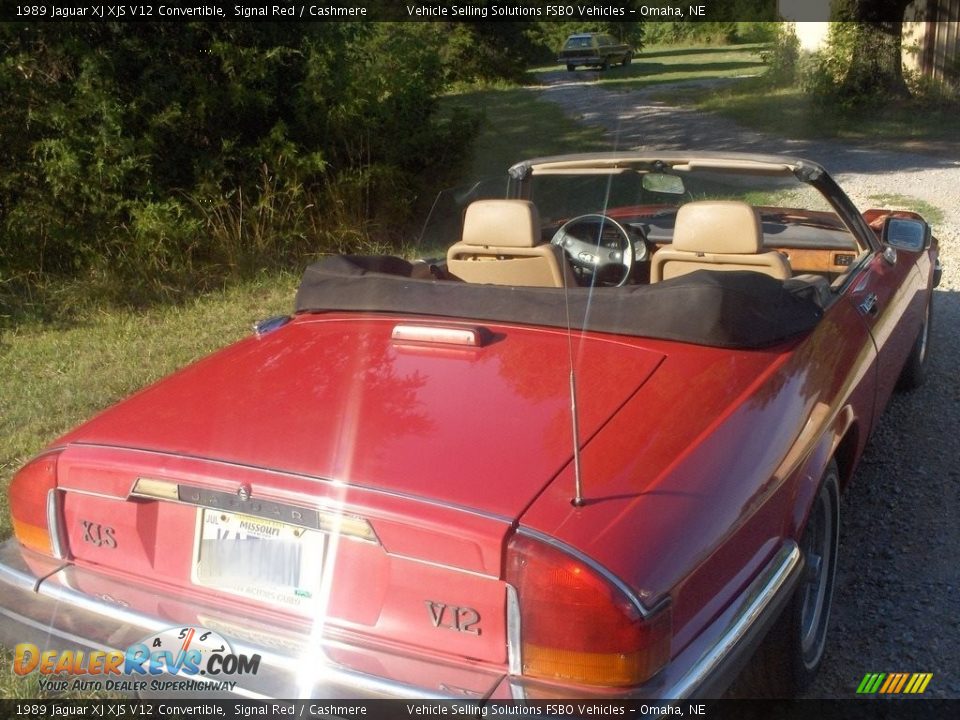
pixel 730 309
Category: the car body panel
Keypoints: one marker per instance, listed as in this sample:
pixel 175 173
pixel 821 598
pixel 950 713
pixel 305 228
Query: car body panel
pixel 680 473
pixel 294 401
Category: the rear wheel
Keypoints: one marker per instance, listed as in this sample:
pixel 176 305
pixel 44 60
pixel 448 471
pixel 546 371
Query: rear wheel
pixel 788 660
pixel 915 369
pixel 627 58
pixel 570 67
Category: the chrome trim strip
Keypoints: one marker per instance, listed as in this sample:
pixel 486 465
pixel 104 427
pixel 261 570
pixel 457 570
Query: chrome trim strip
pixel 644 611
pixel 310 517
pixel 503 519
pixel 442 566
pixel 351 679
pixel 18 578
pixel 760 593
pixel 514 646
pixel 54 526
pixel 318 514
pixel 42 628
pixel 91 493
pixel 154 489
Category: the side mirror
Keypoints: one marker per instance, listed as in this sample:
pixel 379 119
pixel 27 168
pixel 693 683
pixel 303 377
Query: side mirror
pixel 910 234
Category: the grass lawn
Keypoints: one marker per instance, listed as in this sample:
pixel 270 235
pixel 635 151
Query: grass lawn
pixel 662 65
pixel 791 113
pixel 55 377
pixel 931 213
pixel 517 125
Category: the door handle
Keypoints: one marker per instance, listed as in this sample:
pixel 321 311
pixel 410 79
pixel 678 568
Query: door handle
pixel 869 304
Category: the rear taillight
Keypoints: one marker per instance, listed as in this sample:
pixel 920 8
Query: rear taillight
pixel 34 506
pixel 576 625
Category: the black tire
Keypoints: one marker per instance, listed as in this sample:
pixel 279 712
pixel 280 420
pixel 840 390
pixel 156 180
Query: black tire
pixel 605 65
pixel 789 658
pixel 915 369
pixel 571 68
pixel 627 58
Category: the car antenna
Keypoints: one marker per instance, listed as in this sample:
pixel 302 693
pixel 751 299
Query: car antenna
pixel 578 500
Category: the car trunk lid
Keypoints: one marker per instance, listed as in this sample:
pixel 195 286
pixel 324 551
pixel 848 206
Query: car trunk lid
pixel 330 475
pixel 338 399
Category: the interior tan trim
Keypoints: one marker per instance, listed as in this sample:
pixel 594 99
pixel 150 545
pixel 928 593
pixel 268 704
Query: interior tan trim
pixel 717 235
pixel 540 266
pixel 667 264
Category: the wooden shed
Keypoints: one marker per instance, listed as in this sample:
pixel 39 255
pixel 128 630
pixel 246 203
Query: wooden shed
pixel 931 38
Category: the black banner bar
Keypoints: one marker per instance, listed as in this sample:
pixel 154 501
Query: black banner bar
pixel 418 11
pixel 872 709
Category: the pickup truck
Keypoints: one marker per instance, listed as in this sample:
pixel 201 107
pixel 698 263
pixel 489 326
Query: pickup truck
pixel 593 49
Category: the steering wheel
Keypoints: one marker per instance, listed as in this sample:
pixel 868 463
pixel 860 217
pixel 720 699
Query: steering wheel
pixel 600 249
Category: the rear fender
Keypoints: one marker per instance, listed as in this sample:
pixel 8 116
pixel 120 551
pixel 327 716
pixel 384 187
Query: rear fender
pixel 827 445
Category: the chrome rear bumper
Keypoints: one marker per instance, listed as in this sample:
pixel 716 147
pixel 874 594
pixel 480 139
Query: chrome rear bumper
pixel 57 606
pixel 41 602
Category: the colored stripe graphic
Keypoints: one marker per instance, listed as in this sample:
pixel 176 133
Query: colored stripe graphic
pixel 870 683
pixel 894 683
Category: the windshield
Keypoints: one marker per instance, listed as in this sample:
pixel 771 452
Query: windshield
pixel 562 195
pixel 794 213
pixel 578 43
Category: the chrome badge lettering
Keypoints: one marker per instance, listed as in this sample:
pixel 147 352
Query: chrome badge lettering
pixel 453 617
pixel 241 502
pixel 99 535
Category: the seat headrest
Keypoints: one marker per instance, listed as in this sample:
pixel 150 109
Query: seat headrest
pixel 502 223
pixel 718 226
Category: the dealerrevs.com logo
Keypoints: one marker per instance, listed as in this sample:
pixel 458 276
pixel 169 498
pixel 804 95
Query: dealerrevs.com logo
pixel 181 659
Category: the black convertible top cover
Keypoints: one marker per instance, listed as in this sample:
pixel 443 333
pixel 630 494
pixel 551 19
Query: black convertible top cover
pixel 729 309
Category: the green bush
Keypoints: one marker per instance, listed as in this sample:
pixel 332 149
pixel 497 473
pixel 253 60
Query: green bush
pixel 783 57
pixel 756 32
pixel 859 66
pixel 150 157
pixel 709 33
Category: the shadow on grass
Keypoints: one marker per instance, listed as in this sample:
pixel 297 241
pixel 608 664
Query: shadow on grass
pixel 516 126
pixel 700 50
pixel 643 69
pixel 62 303
pixel 913 126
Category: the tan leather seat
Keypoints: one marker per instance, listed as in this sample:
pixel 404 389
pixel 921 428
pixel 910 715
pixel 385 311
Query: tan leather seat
pixel 717 235
pixel 501 246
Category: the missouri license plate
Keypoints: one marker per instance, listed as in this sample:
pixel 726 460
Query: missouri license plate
pixel 257 558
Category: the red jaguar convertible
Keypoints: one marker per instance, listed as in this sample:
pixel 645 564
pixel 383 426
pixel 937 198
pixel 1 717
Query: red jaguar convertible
pixel 595 448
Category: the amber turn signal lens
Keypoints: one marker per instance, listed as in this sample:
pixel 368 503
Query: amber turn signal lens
pixel 29 491
pixel 578 626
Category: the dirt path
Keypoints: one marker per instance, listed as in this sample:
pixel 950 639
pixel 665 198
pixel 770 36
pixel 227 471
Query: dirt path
pixel 897 603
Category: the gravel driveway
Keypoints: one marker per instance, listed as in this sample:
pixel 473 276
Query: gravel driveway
pixel 897 601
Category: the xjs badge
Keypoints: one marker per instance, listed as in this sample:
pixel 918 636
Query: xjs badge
pixel 99 535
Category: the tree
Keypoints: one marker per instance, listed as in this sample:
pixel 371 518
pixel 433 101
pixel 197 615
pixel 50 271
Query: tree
pixel 180 153
pixel 870 37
